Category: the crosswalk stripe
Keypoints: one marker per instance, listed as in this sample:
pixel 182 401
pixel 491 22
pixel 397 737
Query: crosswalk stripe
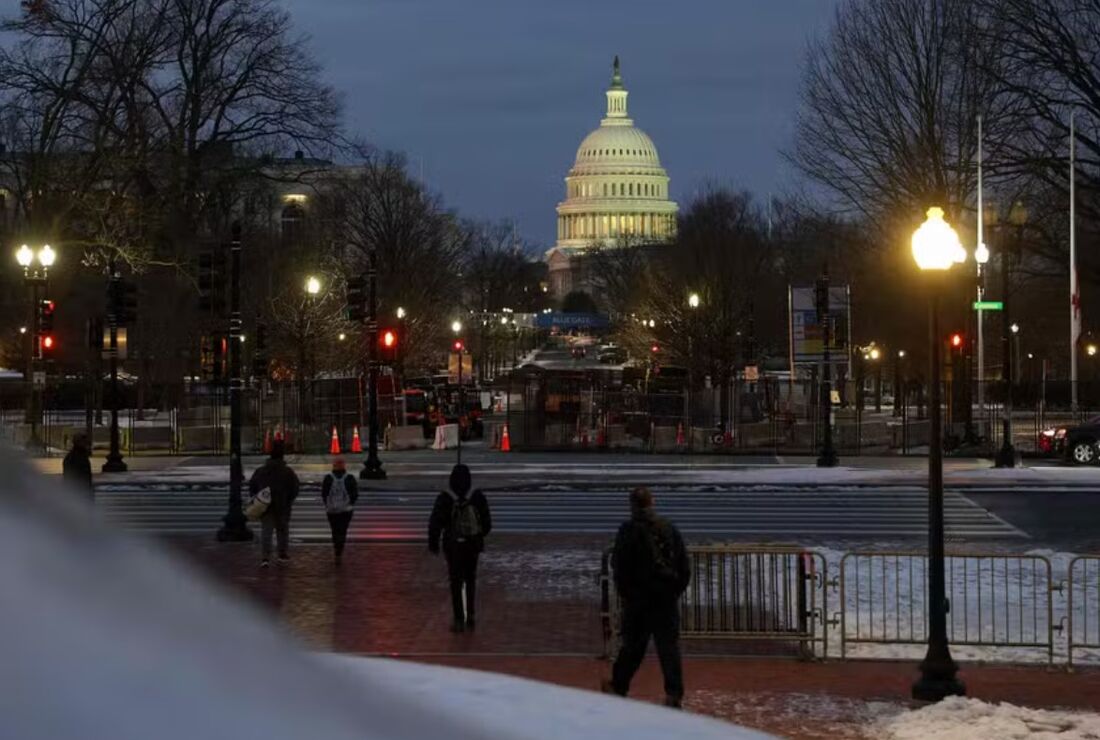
pixel 402 515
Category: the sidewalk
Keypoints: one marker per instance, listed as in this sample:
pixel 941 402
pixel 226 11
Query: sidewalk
pixel 539 618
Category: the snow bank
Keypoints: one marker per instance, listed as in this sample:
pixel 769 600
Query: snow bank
pixel 958 718
pixel 499 706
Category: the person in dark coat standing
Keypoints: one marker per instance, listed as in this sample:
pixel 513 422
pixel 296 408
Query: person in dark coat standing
pixel 277 476
pixel 460 520
pixel 339 492
pixel 652 570
pixel 76 468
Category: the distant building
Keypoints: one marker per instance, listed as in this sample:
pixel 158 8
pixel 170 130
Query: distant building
pixel 615 193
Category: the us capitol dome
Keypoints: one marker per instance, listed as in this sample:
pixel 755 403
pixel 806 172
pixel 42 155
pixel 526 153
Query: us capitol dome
pixel 615 193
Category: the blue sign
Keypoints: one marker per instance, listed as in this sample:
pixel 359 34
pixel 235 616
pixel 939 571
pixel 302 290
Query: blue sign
pixel 572 320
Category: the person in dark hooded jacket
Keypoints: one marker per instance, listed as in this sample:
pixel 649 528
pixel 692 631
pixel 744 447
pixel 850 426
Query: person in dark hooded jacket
pixel 651 570
pixel 460 520
pixel 76 468
pixel 276 475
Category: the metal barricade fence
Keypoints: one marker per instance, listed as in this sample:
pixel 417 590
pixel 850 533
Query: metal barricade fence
pixel 740 593
pixel 994 600
pixel 1083 605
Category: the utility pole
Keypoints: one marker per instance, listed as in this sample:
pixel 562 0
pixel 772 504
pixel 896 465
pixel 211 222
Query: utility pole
pixel 828 457
pixel 234 527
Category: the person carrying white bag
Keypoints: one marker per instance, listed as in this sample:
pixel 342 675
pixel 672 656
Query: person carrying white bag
pixel 281 486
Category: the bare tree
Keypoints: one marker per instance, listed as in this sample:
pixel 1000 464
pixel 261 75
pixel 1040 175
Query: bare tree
pixel 128 122
pixel 890 103
pixel 418 247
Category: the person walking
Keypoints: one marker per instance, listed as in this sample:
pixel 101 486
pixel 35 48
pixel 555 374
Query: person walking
pixel 460 520
pixel 652 570
pixel 76 468
pixel 276 476
pixel 339 492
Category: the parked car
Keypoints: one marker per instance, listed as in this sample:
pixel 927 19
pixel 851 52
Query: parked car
pixel 578 352
pixel 1077 444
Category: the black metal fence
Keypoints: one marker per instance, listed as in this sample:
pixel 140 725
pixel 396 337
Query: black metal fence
pixel 780 415
pixel 550 412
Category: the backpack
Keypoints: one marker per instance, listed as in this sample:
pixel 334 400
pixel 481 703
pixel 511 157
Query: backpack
pixel 465 523
pixel 664 559
pixel 338 500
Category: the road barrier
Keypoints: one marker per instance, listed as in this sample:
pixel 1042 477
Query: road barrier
pixel 1083 605
pixel 995 600
pixel 741 593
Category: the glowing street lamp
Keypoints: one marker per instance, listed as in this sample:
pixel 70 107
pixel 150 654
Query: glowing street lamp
pixel 400 312
pixel 456 326
pixel 1091 350
pixel 693 300
pixel 313 285
pixel 24 256
pixel 936 247
pixel 47 256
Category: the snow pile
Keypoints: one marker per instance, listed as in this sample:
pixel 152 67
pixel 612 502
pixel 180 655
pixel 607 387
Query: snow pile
pixel 957 718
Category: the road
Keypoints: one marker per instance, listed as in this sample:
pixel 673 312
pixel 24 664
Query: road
pixel 562 359
pixel 746 515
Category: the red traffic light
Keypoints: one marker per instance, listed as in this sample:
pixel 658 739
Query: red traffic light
pixel 956 340
pixel 47 342
pixel 389 339
pixel 655 349
pixel 459 345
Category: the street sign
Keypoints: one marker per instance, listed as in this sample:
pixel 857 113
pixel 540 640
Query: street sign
pixel 807 335
pixel 989 305
pixel 752 373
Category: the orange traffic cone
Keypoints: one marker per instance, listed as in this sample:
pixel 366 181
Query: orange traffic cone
pixel 267 441
pixel 334 446
pixel 505 443
pixel 680 434
pixel 356 445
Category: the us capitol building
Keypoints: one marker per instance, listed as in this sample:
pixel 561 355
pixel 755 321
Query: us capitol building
pixel 616 193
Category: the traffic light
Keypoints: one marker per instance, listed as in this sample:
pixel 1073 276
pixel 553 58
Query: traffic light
pixel 45 316
pixel 821 298
pixel 356 298
pixel 95 333
pixel 259 358
pixel 458 345
pixel 655 348
pixel 388 344
pixel 212 281
pixel 122 301
pixel 956 341
pixel 46 344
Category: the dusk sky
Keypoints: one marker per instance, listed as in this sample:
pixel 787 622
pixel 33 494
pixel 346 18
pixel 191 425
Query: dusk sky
pixel 492 97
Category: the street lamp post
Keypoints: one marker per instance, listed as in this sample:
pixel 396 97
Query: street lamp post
pixel 114 462
pixel 935 248
pixel 372 466
pixel 693 304
pixel 899 394
pixel 1006 456
pixel 234 525
pixel 35 278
